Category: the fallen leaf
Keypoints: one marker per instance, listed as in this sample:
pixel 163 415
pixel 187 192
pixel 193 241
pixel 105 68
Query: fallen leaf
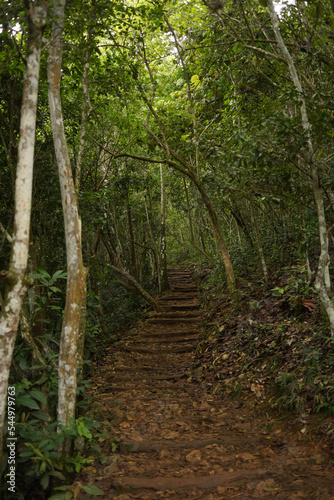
pixel 194 456
pixel 124 425
pixel 247 457
pixel 267 453
pixel 170 435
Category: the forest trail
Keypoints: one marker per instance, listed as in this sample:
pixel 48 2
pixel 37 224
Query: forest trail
pixel 180 442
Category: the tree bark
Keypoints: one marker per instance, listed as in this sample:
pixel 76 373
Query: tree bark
pixel 17 281
pixel 156 253
pixel 84 112
pixel 222 247
pixel 76 272
pixel 322 281
pixel 258 239
pixel 163 253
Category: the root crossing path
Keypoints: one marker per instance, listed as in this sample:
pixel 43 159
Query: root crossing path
pixel 176 440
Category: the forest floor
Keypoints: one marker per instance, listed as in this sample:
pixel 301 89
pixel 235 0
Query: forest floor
pixel 177 439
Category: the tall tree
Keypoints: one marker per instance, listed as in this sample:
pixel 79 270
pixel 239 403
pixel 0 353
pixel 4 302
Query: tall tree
pixel 16 279
pixel 322 281
pixel 76 272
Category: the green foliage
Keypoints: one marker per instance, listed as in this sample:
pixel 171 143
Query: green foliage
pixel 41 462
pixel 249 144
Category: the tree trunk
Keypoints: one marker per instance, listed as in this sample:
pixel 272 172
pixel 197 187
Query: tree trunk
pixel 84 112
pixel 163 253
pixel 258 239
pixel 17 281
pixel 156 254
pixel 322 281
pixel 222 247
pixel 192 235
pixel 134 267
pixel 76 272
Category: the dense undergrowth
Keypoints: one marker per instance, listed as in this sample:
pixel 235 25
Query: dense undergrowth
pixel 275 352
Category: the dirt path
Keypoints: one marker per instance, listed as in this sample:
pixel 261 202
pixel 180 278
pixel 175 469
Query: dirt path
pixel 179 442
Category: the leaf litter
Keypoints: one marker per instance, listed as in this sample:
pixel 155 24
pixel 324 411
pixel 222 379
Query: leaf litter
pixel 178 438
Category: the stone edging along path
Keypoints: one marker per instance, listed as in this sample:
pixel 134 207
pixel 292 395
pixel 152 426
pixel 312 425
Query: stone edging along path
pixel 179 442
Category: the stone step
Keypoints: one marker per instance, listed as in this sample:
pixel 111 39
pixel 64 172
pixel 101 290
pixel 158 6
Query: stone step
pixel 187 348
pixel 136 378
pixel 164 444
pixel 179 307
pixel 163 341
pixel 176 314
pixel 138 388
pixel 179 297
pixel 183 289
pixel 170 335
pixel 173 321
pixel 162 483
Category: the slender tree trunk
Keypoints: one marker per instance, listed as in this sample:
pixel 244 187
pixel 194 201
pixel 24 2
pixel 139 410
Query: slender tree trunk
pixel 192 235
pixel 118 240
pixel 134 267
pixel 258 239
pixel 192 239
pixel 84 112
pixel 76 272
pixel 163 253
pixel 322 281
pixel 17 282
pixel 222 247
pixel 154 247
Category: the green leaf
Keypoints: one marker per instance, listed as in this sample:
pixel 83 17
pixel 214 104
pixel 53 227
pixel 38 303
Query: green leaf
pixel 194 79
pixel 27 401
pixel 39 395
pixel 59 274
pixel 92 490
pixel 41 415
pixel 27 454
pixel 57 474
pixel 61 496
pixel 45 479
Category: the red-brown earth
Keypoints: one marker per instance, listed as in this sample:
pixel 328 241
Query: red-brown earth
pixel 179 441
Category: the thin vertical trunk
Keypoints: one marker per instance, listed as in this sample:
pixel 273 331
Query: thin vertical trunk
pixel 134 270
pixel 188 209
pixel 154 247
pixel 163 253
pixel 76 272
pixel 118 240
pixel 191 228
pixel 84 113
pixel 17 282
pixel 222 247
pixel 322 281
pixel 258 239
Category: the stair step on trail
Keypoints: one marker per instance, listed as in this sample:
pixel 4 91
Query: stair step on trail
pixel 177 441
